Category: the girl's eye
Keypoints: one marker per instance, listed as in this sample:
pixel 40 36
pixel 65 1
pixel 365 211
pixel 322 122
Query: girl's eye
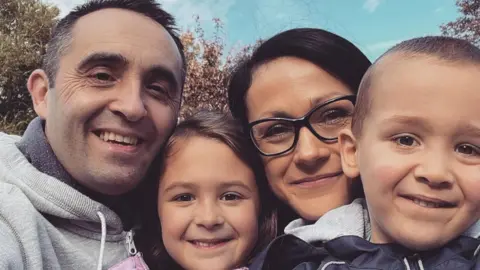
pixel 184 198
pixel 468 150
pixel 406 140
pixel 231 197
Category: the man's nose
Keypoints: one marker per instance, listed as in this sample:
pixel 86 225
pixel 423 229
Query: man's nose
pixel 129 102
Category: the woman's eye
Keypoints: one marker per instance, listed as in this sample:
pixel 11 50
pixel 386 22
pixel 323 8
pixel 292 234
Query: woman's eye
pixel 468 149
pixel 406 140
pixel 335 116
pixel 184 198
pixel 231 197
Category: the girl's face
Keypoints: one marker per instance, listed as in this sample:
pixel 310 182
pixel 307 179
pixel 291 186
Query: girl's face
pixel 308 178
pixel 208 205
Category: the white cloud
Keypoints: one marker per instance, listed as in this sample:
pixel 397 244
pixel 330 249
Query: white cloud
pixel 371 5
pixel 382 45
pixel 438 10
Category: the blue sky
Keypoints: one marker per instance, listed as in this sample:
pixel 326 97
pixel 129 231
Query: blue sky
pixel 373 25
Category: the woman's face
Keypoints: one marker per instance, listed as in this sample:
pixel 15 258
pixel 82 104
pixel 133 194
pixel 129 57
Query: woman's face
pixel 308 178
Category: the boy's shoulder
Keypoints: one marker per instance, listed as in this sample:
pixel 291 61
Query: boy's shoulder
pixel 351 252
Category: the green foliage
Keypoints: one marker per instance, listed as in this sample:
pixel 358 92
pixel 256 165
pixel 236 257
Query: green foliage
pixel 24 30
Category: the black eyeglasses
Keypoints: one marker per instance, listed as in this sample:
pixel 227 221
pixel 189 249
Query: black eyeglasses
pixel 275 136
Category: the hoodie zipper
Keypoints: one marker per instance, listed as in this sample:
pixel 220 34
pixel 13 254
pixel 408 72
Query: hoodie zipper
pixel 132 250
pixel 413 262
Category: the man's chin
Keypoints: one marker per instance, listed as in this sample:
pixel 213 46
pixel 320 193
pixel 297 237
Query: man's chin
pixel 114 184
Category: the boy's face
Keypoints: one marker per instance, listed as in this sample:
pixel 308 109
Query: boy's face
pixel 419 151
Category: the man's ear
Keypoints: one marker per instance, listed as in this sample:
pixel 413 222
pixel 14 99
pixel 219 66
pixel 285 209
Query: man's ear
pixel 38 87
pixel 348 153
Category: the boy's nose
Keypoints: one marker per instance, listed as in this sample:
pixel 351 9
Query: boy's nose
pixel 434 170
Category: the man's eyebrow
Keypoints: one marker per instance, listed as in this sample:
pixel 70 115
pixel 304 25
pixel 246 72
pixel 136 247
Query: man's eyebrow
pixel 164 73
pixel 102 58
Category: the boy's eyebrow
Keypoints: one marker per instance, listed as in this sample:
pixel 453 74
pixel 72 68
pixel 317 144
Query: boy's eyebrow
pixel 468 129
pixel 414 121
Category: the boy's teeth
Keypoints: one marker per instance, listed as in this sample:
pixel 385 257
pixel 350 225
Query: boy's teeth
pixel 426 204
pixel 110 136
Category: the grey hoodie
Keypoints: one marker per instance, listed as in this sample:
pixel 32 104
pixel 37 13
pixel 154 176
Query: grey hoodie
pixel 47 224
pixel 351 219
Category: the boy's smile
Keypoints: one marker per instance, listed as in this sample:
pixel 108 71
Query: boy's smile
pixel 419 151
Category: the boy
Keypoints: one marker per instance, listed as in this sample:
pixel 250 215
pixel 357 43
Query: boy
pixel 415 141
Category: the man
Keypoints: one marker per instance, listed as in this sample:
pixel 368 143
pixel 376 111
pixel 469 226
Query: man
pixel 107 98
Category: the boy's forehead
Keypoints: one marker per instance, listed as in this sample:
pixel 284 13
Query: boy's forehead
pixel 401 84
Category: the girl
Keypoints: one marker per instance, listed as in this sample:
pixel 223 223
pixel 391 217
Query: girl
pixel 213 203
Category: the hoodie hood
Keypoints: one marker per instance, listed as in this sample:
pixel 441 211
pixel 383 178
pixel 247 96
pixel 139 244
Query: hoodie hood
pixel 49 195
pixel 351 219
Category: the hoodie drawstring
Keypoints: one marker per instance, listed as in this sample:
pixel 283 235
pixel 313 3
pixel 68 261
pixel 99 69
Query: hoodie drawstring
pixel 419 261
pixel 102 241
pixel 420 264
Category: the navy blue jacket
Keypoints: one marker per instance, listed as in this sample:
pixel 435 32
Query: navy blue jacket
pixel 351 252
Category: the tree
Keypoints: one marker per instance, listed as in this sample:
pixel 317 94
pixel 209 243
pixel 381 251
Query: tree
pixel 25 27
pixel 208 69
pixel 467 26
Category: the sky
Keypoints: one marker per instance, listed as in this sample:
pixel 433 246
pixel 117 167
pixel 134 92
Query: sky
pixel 372 25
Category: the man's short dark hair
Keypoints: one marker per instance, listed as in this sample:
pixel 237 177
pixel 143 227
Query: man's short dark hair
pixel 62 33
pixel 447 49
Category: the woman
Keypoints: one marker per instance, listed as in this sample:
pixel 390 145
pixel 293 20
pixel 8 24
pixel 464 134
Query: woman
pixel 293 96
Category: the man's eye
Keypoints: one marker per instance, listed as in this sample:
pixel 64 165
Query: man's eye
pixel 103 76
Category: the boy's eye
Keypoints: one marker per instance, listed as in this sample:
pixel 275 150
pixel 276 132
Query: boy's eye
pixel 184 198
pixel 406 140
pixel 468 149
pixel 231 197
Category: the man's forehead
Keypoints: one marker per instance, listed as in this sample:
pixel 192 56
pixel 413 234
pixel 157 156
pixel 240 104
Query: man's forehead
pixel 136 37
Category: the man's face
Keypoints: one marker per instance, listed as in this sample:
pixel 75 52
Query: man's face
pixel 419 152
pixel 115 100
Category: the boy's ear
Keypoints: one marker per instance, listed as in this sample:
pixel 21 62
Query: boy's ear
pixel 38 87
pixel 348 153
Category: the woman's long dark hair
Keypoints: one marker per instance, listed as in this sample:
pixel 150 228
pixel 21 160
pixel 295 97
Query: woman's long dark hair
pixel 225 129
pixel 332 53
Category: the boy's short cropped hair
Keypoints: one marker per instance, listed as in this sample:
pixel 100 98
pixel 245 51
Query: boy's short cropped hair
pixel 448 49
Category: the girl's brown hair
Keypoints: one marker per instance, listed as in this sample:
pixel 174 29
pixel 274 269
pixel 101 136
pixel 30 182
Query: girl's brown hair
pixel 221 127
